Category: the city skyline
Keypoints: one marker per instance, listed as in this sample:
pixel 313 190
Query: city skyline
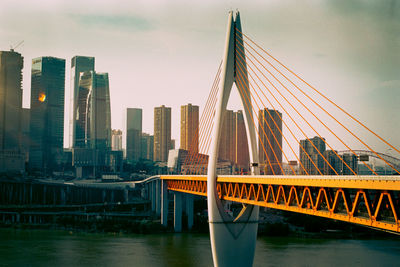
pixel 343 57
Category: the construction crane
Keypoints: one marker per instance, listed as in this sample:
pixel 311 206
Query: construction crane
pixel 13 48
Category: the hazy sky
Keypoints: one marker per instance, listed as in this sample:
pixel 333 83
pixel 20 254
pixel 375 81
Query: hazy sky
pixel 167 52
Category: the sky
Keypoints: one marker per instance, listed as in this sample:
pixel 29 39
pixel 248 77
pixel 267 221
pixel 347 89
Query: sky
pixel 167 52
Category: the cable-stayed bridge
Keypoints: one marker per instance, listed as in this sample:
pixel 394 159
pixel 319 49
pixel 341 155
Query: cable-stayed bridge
pixel 281 112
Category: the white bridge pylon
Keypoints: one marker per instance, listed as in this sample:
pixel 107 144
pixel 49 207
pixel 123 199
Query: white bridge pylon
pixel 233 240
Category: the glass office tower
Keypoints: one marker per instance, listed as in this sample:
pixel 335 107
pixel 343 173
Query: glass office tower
pixel 47 113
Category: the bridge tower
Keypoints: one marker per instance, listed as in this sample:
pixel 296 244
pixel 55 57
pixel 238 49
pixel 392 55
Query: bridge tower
pixel 233 240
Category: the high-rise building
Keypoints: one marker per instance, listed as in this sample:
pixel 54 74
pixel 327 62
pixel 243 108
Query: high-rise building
pixel 190 128
pixel 227 139
pixel 270 140
pixel 47 113
pixel 93 113
pixel 351 161
pixel 242 158
pixel 314 162
pixel 133 134
pixel 340 165
pixel 11 158
pixel 162 133
pixel 78 64
pixel 334 163
pixel 233 146
pixel 92 153
pixel 147 146
pixel 25 132
pixel 116 140
pixel 11 64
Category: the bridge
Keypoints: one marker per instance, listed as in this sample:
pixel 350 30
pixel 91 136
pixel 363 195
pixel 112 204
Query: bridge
pixel 326 182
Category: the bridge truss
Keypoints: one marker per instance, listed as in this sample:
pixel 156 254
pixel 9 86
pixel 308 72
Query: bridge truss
pixel 364 200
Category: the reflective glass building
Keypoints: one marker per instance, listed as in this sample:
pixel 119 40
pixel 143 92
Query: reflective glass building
pixel 47 113
pixel 93 114
pixel 133 134
pixel 78 64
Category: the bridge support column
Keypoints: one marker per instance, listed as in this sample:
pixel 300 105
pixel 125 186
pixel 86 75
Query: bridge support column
pixel 164 203
pixel 177 212
pixel 153 196
pixel 158 197
pixel 189 210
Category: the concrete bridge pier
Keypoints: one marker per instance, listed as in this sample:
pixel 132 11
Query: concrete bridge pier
pixel 177 212
pixel 153 196
pixel 164 203
pixel 158 196
pixel 189 210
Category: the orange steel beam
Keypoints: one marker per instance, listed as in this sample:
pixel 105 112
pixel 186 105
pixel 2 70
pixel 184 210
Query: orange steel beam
pixel 344 198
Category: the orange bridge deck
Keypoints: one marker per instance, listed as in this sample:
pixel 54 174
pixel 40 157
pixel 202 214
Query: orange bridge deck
pixel 372 201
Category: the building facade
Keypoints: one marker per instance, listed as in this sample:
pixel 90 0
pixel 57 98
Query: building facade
pixel 162 133
pixel 11 64
pixel 47 113
pixel 25 132
pixel 242 158
pixel 11 156
pixel 92 150
pixel 334 165
pixel 133 134
pixel 93 113
pixel 116 140
pixel 270 140
pixel 233 146
pixel 147 146
pixel 227 139
pixel 78 64
pixel 311 160
pixel 190 128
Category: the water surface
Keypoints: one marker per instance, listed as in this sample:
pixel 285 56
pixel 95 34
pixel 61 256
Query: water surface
pixel 63 248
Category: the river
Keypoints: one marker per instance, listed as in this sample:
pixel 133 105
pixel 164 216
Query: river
pixel 63 248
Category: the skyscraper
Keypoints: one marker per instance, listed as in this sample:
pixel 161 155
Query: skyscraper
pixel 233 142
pixel 190 128
pixel 116 140
pixel 47 112
pixel 92 151
pixel 351 161
pixel 11 158
pixel 11 64
pixel 147 146
pixel 270 140
pixel 334 162
pixel 314 162
pixel 25 132
pixel 93 114
pixel 227 139
pixel 162 133
pixel 133 134
pixel 242 157
pixel 78 64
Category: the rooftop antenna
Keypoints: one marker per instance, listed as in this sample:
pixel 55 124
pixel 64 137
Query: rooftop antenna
pixel 13 48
